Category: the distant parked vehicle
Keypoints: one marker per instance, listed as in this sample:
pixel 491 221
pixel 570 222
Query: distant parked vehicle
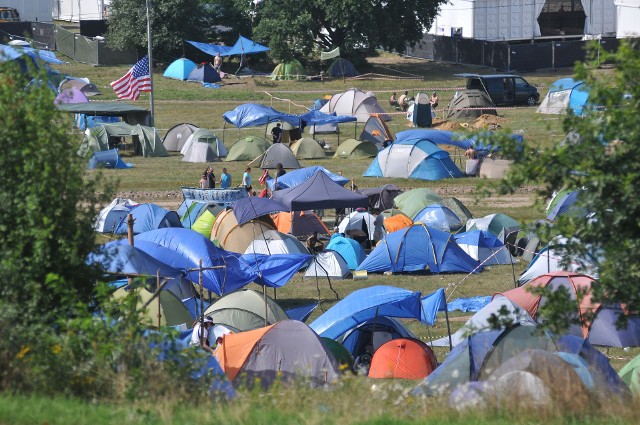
pixel 9 14
pixel 503 89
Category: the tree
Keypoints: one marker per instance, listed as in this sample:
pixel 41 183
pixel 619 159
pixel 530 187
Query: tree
pixel 293 27
pixel 603 161
pixel 172 22
pixel 47 208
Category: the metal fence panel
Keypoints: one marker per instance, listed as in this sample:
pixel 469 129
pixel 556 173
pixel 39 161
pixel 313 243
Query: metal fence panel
pixel 44 35
pixel 528 57
pixel 65 41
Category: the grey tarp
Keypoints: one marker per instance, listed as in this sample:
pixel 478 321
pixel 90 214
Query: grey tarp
pixel 382 197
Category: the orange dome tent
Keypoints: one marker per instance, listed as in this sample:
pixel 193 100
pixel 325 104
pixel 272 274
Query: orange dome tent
pixel 403 358
pixel 397 222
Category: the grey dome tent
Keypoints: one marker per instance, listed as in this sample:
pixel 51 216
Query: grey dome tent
pixel 202 135
pixel 376 131
pixel 247 149
pixel 200 152
pixel 204 73
pixel 177 135
pixel 470 99
pixel 342 68
pixel 278 153
pixel 307 148
pixel 356 149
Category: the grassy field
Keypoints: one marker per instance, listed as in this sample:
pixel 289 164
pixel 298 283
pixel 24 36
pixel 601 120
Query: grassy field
pixel 352 402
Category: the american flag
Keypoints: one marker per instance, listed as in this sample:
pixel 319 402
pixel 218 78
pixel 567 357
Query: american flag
pixel 134 81
pixel 264 177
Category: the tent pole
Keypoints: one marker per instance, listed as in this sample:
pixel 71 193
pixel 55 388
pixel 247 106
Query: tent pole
pixel 266 311
pixel 446 315
pixel 159 306
pixel 150 54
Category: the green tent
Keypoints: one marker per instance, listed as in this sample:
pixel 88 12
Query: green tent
pixel 630 374
pixel 204 223
pixel 166 308
pixel 356 149
pixel 340 353
pixel 245 310
pixel 146 141
pixel 289 71
pixel 458 208
pixel 247 149
pixel 413 201
pixel 307 148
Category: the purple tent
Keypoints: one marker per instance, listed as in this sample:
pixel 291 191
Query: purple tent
pixel 72 95
pixel 319 191
pixel 247 209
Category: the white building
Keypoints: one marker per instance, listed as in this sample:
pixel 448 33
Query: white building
pixel 76 10
pixel 526 19
pixel 31 10
pixel 627 18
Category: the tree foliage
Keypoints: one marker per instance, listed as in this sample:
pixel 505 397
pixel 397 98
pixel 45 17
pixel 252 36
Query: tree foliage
pixel 294 27
pixel 172 22
pixel 603 162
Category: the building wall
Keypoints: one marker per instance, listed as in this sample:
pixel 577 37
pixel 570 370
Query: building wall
pixel 76 10
pixel 456 14
pixel 627 18
pixel 31 10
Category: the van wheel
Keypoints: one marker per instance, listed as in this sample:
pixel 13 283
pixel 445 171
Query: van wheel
pixel 531 100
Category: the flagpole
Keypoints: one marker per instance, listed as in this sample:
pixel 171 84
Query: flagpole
pixel 149 53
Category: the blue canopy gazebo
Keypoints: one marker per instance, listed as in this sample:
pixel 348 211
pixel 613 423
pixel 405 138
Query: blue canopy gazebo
pixel 255 115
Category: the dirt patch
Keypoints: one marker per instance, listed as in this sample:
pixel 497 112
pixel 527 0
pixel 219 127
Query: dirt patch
pixel 447 125
pixel 488 121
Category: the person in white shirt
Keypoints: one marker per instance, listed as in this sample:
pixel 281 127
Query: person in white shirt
pixel 200 334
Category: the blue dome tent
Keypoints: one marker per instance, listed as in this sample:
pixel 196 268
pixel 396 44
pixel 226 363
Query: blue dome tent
pixel 179 69
pixel 348 249
pixel 565 94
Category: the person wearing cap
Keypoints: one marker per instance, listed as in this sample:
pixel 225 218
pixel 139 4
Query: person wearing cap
pixel 200 334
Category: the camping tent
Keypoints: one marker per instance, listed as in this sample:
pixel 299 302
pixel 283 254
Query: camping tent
pixel 254 114
pixel 149 217
pixel 360 222
pixel 247 149
pixel 321 122
pixel 292 70
pixel 245 310
pixel 396 222
pixel 319 191
pixel 565 94
pixel 422 160
pixel 296 177
pixel 110 216
pixel 82 84
pixel 419 248
pixel 200 152
pixel 307 148
pixel 272 242
pixel 381 198
pixel 376 131
pixel 327 263
pixel 129 261
pixel 146 140
pixel 177 135
pixel 288 133
pixel 237 238
pixel 283 352
pixel 476 99
pixel 107 159
pixel 168 310
pixel 403 358
pixel 204 73
pixel 438 217
pixel 356 149
pixel 349 249
pixel 299 223
pixel 484 247
pixel 341 68
pixel 356 103
pixel 630 374
pixel 72 95
pixel 459 209
pixel 412 201
pixel 202 135
pixel 179 69
pixel 502 226
pixel 278 153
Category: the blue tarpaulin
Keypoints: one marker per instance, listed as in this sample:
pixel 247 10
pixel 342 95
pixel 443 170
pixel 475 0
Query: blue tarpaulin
pixel 419 248
pixel 275 270
pixel 255 114
pixel 439 137
pixel 243 46
pixel 130 260
pixel 315 117
pixel 253 207
pixel 302 313
pixel 431 304
pixel 365 304
pixel 319 191
pixel 472 304
pixel 296 177
pixel 149 217
pixel 8 53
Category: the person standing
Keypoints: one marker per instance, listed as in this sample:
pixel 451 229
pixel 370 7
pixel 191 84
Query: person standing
pixel 225 179
pixel 276 133
pixel 211 177
pixel 280 171
pixel 204 181
pixel 246 180
pixel 403 101
pixel 217 63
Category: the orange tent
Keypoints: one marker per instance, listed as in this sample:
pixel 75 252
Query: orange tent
pixel 235 348
pixel 575 283
pixel 299 223
pixel 403 358
pixel 397 222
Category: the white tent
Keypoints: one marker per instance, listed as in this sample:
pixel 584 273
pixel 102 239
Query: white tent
pixel 202 135
pixel 356 220
pixel 355 103
pixel 110 216
pixel 200 152
pixel 272 242
pixel 627 18
pixel 328 263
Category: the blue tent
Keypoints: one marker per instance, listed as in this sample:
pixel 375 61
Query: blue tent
pixel 348 249
pixel 419 248
pixel 204 73
pixel 179 69
pixel 413 159
pixel 566 206
pixel 128 260
pixel 319 191
pixel 365 304
pixel 439 137
pixel 565 94
pixel 8 53
pixel 485 247
pixel 276 270
pixel 296 177
pixel 149 217
pixel 439 217
pixel 355 340
pixel 315 117
pixel 254 114
pixel 107 159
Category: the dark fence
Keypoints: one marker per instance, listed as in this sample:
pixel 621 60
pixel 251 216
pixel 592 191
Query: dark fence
pixel 87 50
pixel 503 55
pixel 93 28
